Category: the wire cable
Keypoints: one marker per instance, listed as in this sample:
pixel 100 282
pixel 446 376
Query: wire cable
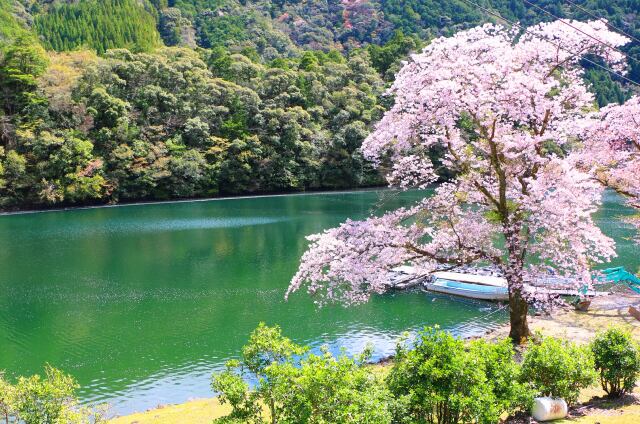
pixel 581 31
pixel 594 15
pixel 497 15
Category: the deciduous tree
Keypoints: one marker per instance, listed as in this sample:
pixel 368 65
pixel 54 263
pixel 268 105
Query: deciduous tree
pixel 499 102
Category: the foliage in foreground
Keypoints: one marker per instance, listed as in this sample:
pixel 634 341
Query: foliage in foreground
pixel 440 380
pixel 296 387
pixel 617 361
pixel 48 400
pixel 558 368
pixel 446 381
pixel 437 379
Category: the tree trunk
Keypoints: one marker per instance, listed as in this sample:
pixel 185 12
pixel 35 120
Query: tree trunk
pixel 518 309
pixel 272 406
pixel 514 273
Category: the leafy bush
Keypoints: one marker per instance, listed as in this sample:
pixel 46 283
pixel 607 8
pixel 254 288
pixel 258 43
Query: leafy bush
pixel 267 347
pixel 48 400
pixel 558 368
pixel 334 390
pixel 503 375
pixel 7 392
pixel 617 360
pixel 443 381
pixel 235 391
pixel 327 389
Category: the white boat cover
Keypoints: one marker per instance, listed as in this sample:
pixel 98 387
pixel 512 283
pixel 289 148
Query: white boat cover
pixel 485 280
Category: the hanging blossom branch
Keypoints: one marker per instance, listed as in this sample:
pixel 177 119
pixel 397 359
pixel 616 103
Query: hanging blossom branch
pixel 612 149
pixel 359 255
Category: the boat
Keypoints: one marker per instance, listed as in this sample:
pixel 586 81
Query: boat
pixel 484 287
pixel 404 277
pixel 619 275
pixel 485 284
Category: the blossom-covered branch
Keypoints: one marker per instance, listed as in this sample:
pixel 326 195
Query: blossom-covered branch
pixel 612 149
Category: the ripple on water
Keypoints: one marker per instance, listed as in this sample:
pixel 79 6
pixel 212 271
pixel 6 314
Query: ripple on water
pixel 133 226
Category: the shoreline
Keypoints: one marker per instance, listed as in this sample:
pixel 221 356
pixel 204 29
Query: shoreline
pixel 197 199
pixel 566 322
pixel 580 327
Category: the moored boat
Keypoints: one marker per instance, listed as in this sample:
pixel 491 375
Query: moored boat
pixel 484 287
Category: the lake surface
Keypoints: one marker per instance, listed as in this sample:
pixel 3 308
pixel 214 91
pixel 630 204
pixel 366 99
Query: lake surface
pixel 141 303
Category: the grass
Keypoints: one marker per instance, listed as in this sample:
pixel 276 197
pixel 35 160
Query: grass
pixel 203 411
pixel 596 408
pixel 627 415
pixel 199 411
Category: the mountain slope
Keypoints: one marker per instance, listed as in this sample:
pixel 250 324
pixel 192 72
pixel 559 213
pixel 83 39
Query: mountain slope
pixel 98 25
pixel 251 96
pixel 11 27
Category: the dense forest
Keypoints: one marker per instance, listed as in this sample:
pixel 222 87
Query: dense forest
pixel 123 100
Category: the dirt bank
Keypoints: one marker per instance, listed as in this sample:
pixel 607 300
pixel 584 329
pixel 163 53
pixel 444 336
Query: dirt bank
pixel 605 311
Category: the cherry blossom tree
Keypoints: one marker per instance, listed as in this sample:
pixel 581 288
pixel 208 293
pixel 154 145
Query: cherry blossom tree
pixel 612 149
pixel 498 102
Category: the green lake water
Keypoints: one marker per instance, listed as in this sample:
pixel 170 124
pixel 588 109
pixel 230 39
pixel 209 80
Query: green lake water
pixel 141 303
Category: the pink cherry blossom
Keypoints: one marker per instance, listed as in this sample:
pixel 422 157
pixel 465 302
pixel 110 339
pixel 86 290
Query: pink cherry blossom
pixel 611 151
pixel 502 104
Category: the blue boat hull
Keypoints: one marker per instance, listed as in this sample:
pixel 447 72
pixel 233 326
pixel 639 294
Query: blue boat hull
pixel 469 290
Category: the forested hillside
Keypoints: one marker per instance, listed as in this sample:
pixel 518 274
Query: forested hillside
pixel 99 25
pixel 107 101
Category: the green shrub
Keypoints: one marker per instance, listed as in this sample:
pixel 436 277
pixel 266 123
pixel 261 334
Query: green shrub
pixel 617 361
pixel 558 368
pixel 444 381
pixel 299 388
pixel 267 347
pixel 235 391
pixel 333 389
pixel 48 400
pixel 7 392
pixel 503 375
